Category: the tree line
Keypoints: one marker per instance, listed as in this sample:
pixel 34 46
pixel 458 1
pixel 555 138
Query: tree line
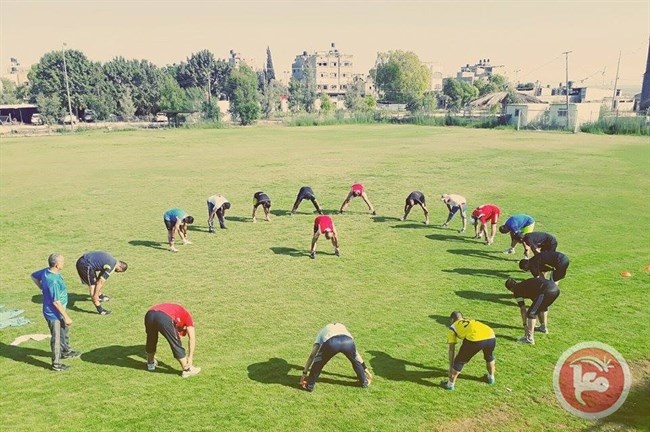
pixel 130 88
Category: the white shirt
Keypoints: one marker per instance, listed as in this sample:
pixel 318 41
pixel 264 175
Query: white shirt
pixel 456 200
pixel 329 331
pixel 217 200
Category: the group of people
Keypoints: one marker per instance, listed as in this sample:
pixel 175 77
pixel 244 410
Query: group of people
pixel 173 321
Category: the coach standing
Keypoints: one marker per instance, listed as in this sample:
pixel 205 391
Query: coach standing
pixel 172 321
pixel 94 268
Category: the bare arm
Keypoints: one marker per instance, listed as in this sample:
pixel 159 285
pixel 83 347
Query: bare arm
pixel 335 239
pixel 310 359
pixel 452 356
pixel 191 336
pixel 314 239
pixel 365 199
pixel 254 211
pixel 346 202
pixel 59 307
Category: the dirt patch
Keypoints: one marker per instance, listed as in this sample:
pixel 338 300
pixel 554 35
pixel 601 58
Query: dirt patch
pixel 496 419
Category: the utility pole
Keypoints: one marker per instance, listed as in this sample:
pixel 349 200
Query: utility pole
pixel 616 82
pixel 517 76
pixel 566 54
pixel 67 86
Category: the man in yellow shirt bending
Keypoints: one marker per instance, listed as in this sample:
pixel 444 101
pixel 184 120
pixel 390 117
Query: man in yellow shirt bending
pixel 476 337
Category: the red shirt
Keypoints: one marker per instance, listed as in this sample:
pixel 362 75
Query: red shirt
pixel 357 188
pixel 487 212
pixel 324 223
pixel 179 315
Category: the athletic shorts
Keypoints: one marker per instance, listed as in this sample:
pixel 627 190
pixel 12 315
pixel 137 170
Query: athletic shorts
pixel 159 322
pixel 86 273
pixel 527 229
pixel 455 209
pixel 542 302
pixel 560 270
pixel 469 349
pixel 169 224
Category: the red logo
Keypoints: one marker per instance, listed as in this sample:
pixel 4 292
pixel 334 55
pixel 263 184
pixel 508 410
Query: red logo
pixel 591 380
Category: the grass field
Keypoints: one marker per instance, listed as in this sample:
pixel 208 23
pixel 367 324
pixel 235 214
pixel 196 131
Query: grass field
pixel 258 300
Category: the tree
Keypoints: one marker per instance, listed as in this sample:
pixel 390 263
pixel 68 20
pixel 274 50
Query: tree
pixel 125 106
pixel 424 104
pixel 49 107
pixel 302 92
pixel 8 92
pixel 400 76
pixel 355 99
pixel 242 91
pixel 326 105
pixel 84 78
pixel 456 93
pixel 269 71
pixel 494 83
pixel 172 96
pixel 271 97
pixel 143 79
pixel 203 70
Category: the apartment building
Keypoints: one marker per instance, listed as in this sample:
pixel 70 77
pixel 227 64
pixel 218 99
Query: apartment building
pixel 333 70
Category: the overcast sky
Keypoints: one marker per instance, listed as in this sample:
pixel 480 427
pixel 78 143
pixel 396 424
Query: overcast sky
pixel 523 35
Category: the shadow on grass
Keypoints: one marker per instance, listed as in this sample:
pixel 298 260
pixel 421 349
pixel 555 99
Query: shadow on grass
pixel 492 255
pixel 448 237
pixel 635 412
pixel 239 219
pixel 504 299
pixel 72 300
pixel 500 274
pixel 279 212
pixel 196 228
pixel 278 371
pixel 26 355
pixel 382 219
pixel 444 320
pixel 130 357
pixel 292 252
pixel 150 244
pixel 411 225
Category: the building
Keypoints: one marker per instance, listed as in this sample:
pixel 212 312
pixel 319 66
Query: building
pixel 235 59
pixel 481 70
pixel 578 113
pixel 436 75
pixel 523 114
pixel 332 69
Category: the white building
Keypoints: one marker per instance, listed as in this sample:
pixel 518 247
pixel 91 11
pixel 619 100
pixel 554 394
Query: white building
pixel 333 70
pixel 523 114
pixel 578 113
pixel 436 75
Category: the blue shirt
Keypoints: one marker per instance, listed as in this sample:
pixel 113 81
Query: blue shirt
pixel 53 289
pixel 38 274
pixel 174 215
pixel 516 223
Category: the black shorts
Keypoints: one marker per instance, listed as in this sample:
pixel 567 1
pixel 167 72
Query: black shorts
pixel 560 270
pixel 86 273
pixel 159 322
pixel 306 193
pixel 469 349
pixel 550 246
pixel 543 301
pixel 169 224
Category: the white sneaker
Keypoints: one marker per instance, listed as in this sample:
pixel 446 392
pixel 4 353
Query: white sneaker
pixel 193 370
pixel 173 249
pixel 152 366
pixel 509 251
pixel 187 242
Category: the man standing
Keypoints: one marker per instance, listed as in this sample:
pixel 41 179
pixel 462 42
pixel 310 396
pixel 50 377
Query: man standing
pixel 555 262
pixel 537 242
pixel 484 214
pixel 414 198
pixel 172 321
pixel 94 268
pixel 357 190
pixel 55 302
pixel 324 225
pixel 217 205
pixel 176 221
pixel 455 203
pixel 333 339
pixel 476 337
pixel 305 192
pixel 260 198
pixel 516 225
pixel 543 293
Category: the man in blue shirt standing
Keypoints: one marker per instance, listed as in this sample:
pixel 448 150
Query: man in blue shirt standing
pixel 55 302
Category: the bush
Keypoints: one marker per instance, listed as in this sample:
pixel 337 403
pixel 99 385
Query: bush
pixel 618 126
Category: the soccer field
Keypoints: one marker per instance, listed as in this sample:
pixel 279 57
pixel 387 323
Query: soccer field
pixel 258 300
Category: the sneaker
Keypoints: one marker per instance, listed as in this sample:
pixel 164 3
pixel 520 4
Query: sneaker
pixel 444 225
pixel 173 249
pixel 152 366
pixel 70 354
pixel 211 230
pixel 447 385
pixel 60 367
pixel 541 329
pixel 490 379
pixel 509 251
pixel 191 371
pixel 312 255
pixel 104 298
pixel 102 311
pixel 186 242
pixel 337 253
pixel 374 213
pixel 462 230
pixel 426 222
pixel 526 340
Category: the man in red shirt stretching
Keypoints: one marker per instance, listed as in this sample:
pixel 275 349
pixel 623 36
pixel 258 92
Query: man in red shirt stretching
pixel 357 190
pixel 172 321
pixel 324 225
pixel 482 215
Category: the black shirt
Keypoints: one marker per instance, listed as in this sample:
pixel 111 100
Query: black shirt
pixel 540 240
pixel 531 288
pixel 416 196
pixel 261 198
pixel 547 261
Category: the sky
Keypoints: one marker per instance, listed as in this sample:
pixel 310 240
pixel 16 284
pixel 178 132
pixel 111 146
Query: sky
pixel 526 37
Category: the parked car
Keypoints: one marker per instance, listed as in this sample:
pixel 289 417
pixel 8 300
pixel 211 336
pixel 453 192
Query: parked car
pixel 37 119
pixel 160 118
pixel 69 119
pixel 89 116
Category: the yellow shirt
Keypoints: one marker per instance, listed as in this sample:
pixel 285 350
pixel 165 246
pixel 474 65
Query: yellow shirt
pixel 471 330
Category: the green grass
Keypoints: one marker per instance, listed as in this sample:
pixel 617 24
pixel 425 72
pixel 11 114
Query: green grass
pixel 258 300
